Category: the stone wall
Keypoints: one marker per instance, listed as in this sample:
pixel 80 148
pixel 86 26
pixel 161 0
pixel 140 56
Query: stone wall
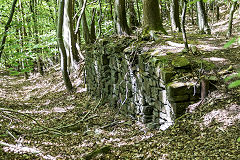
pixel 139 83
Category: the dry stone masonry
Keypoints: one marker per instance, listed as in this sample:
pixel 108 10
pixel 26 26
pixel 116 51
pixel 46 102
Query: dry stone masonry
pixel 140 82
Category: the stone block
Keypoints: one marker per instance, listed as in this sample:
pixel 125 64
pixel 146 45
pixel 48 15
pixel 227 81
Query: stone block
pixel 158 105
pixel 152 125
pixel 179 98
pixel 179 88
pixel 166 75
pixel 195 97
pixel 155 112
pixel 180 108
pixel 162 96
pixel 131 108
pixel 156 120
pixel 147 110
pixel 146 118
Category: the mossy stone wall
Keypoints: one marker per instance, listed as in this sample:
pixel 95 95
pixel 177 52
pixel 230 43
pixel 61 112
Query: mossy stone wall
pixel 138 83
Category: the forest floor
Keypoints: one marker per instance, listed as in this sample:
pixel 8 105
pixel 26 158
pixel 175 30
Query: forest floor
pixel 40 120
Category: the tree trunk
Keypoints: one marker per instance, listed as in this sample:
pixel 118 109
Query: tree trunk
pixel 191 11
pixel 183 24
pixel 66 78
pixel 7 26
pixel 202 18
pixel 174 16
pixel 100 18
pixel 121 20
pixel 86 34
pixel 138 11
pixel 151 16
pixel 217 14
pixel 132 15
pixel 232 10
pixel 93 32
pixel 35 35
pixel 40 65
pixel 69 36
pixel 111 10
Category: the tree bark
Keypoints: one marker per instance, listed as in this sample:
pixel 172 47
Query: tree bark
pixel 132 15
pixel 138 11
pixel 217 13
pixel 232 10
pixel 191 11
pixel 62 49
pixel 83 20
pixel 100 18
pixel 92 29
pixel 121 19
pixel 202 18
pixel 69 36
pixel 151 16
pixel 7 26
pixel 183 24
pixel 174 16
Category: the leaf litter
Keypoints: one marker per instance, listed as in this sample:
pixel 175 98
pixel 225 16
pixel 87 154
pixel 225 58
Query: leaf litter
pixel 105 133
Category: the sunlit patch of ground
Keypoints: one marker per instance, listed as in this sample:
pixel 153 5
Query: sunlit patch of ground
pixel 212 42
pixel 227 117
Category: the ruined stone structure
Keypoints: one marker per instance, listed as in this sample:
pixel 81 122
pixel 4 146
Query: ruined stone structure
pixel 139 82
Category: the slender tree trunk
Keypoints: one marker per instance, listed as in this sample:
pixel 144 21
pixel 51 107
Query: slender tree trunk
pixel 191 11
pixel 69 36
pixel 111 10
pixel 100 18
pixel 35 28
pixel 121 19
pixel 161 9
pixel 183 24
pixel 132 15
pixel 174 16
pixel 232 10
pixel 7 26
pixel 202 18
pixel 62 49
pixel 217 13
pixel 138 11
pixel 112 18
pixel 86 34
pixel 204 88
pixel 22 35
pixel 83 20
pixel 93 31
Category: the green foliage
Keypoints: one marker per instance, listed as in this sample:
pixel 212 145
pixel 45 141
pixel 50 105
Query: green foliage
pixel 238 140
pixel 24 44
pixel 235 83
pixel 229 43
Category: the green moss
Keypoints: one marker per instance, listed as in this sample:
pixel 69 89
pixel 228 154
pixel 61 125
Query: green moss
pixel 167 74
pixel 203 64
pixel 180 62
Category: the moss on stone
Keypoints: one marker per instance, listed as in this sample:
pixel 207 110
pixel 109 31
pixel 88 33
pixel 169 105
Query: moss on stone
pixel 180 62
pixel 203 64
